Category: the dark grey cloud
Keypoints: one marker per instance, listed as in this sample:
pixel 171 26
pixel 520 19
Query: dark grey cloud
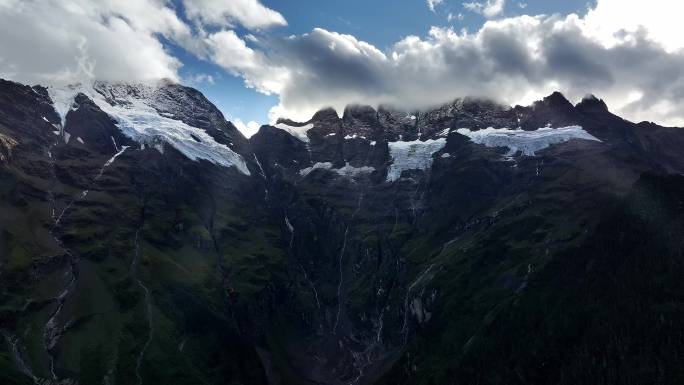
pixel 332 60
pixel 569 55
pixel 508 55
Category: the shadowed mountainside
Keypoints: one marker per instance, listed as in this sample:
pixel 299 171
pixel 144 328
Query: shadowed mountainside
pixel 143 240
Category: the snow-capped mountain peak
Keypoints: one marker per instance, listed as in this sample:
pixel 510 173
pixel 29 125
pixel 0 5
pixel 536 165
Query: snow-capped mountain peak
pixel 143 113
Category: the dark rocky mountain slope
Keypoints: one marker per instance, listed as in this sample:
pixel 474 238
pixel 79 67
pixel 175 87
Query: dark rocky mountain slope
pixel 144 240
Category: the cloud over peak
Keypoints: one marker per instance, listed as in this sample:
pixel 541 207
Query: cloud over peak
pixel 512 60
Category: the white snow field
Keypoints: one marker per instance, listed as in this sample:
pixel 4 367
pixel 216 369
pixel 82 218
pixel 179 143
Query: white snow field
pixel 297 132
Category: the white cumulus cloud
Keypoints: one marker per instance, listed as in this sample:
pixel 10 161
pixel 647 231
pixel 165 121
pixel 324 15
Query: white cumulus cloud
pixel 613 21
pixel 249 13
pixel 489 9
pixel 53 41
pixel 433 3
pixel 56 41
pixel 451 17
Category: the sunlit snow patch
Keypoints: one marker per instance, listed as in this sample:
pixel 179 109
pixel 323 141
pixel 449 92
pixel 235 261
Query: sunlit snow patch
pixel 297 132
pixel 137 118
pixel 354 136
pixel 444 133
pixel 526 142
pixel 415 155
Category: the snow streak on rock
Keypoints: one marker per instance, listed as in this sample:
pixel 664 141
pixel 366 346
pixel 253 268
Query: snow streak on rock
pixel 526 142
pixel 263 175
pixel 319 165
pixel 415 155
pixel 354 136
pixel 290 228
pixel 311 284
pixel 85 192
pixel 350 171
pixel 346 171
pixel 341 281
pixel 297 132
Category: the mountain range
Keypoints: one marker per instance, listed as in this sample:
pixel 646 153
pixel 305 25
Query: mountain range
pixel 145 240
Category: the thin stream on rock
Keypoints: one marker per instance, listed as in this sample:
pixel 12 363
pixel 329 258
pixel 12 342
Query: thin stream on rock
pixel 341 266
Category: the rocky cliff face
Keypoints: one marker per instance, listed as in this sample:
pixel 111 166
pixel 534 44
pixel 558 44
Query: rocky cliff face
pixel 144 240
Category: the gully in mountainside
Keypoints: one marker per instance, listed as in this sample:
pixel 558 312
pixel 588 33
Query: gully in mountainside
pixel 52 330
pixel 135 274
pixel 341 263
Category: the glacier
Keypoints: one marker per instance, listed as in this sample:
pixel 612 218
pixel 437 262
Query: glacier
pixel 137 118
pixel 526 142
pixel 414 155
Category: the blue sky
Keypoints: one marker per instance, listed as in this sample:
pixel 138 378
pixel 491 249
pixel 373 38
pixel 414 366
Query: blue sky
pixel 379 22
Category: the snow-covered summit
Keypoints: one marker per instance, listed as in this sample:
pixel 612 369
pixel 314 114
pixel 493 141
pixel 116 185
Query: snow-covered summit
pixel 298 132
pixel 143 113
